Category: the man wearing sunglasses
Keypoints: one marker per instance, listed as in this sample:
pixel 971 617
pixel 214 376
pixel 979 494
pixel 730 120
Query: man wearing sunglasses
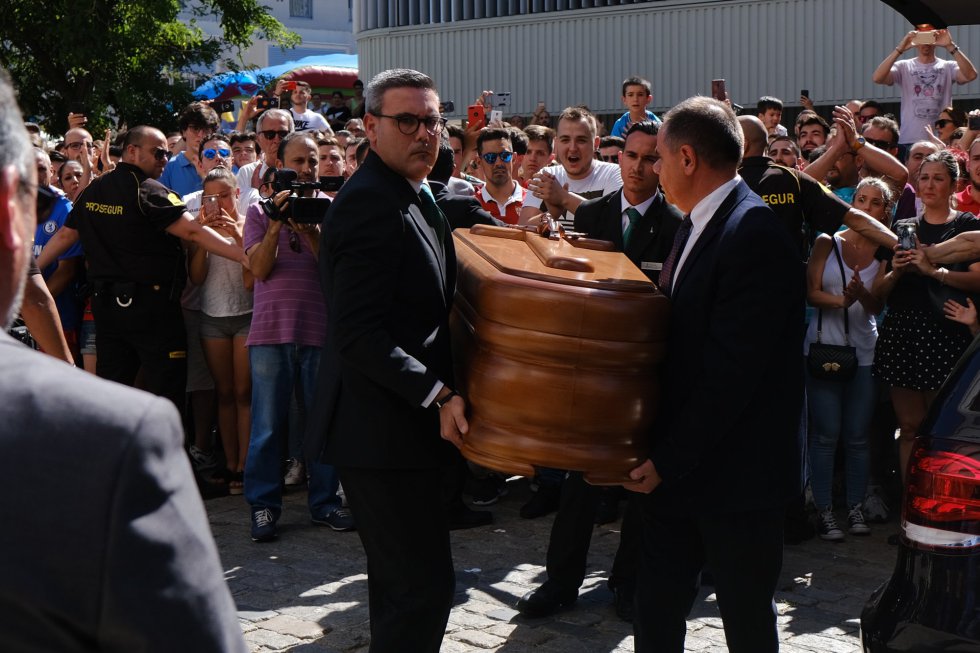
pixel 131 226
pixel 271 127
pixel 501 195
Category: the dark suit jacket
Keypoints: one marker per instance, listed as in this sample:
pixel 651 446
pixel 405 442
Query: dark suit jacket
pixel 462 211
pixel 389 285
pixel 651 238
pixel 105 544
pixel 728 434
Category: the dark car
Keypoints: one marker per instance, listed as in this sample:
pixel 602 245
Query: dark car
pixel 932 601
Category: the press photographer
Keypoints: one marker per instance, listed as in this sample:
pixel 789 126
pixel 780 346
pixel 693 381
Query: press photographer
pixel 282 239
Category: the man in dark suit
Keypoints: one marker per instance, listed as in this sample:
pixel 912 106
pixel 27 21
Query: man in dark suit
pixel 640 222
pixel 726 454
pixel 388 271
pixel 115 552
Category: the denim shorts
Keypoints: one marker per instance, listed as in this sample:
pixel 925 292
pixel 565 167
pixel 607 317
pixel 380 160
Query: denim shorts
pixel 233 326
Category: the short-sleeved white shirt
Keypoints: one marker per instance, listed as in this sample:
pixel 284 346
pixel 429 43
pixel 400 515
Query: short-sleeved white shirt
pixel 603 179
pixel 926 89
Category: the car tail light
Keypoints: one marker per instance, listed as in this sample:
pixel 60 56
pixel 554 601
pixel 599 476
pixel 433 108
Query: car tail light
pixel 942 500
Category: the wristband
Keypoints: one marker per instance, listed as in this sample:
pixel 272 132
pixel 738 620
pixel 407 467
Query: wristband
pixel 439 403
pixel 955 49
pixel 899 51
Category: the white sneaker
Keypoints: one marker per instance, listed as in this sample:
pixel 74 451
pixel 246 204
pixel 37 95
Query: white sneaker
pixel 295 473
pixel 855 521
pixel 874 506
pixel 827 527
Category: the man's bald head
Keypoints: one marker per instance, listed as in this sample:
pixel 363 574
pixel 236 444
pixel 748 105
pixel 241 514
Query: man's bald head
pixel 756 136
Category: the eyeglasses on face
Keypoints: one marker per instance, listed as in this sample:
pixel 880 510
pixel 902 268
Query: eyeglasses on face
pixel 80 144
pixel 160 153
pixel 609 158
pixel 505 156
pixel 942 122
pixel 409 124
pixel 210 153
pixel 864 117
pixel 271 134
pixel 881 145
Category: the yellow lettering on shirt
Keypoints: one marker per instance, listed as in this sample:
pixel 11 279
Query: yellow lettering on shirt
pixel 779 198
pixel 107 209
pixel 174 199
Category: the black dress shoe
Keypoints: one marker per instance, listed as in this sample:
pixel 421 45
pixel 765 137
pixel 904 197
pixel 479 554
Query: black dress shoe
pixel 464 517
pixel 546 600
pixel 623 604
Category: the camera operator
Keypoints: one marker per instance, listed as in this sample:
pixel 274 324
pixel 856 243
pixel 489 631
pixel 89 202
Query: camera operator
pixel 287 333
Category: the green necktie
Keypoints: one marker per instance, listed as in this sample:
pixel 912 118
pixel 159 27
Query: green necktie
pixel 433 215
pixel 633 216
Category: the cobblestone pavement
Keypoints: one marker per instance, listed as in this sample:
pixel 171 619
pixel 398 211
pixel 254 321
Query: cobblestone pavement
pixel 308 590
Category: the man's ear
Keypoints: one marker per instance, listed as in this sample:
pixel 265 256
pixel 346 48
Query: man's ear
pixel 10 213
pixel 688 158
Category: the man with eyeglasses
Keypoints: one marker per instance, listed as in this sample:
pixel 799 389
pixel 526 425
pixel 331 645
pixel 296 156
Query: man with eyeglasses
pixel 386 389
pixel 610 147
pixel 866 111
pixel 559 189
pixel 271 127
pixel 501 196
pixel 131 227
pixel 926 82
pixel 184 173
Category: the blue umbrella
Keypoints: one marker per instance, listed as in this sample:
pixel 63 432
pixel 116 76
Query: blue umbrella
pixel 247 82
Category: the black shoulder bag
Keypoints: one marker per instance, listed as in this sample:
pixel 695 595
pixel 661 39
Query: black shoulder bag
pixel 832 362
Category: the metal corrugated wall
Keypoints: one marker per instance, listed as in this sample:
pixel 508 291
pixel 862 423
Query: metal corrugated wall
pixel 776 47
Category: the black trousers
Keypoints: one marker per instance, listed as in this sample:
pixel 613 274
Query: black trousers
pixel 410 567
pixel 571 535
pixel 745 554
pixel 141 326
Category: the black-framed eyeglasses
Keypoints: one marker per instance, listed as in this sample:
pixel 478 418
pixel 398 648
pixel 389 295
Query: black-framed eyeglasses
pixel 294 241
pixel 161 153
pixel 942 122
pixel 881 145
pixel 210 153
pixel 80 144
pixel 272 133
pixel 505 156
pixel 409 124
pixel 610 158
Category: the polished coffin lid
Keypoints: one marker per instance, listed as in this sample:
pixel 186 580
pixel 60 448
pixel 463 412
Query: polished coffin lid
pixel 557 345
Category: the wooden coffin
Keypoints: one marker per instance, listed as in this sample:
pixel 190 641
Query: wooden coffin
pixel 557 349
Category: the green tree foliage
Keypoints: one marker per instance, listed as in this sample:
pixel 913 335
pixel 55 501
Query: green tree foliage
pixel 121 54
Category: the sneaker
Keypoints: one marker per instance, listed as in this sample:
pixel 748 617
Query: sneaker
pixel 340 519
pixel 874 507
pixel 544 501
pixel 827 527
pixel 489 490
pixel 295 473
pixel 263 525
pixel 201 459
pixel 855 521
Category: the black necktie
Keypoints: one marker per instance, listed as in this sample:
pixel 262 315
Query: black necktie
pixel 680 240
pixel 432 213
pixel 633 216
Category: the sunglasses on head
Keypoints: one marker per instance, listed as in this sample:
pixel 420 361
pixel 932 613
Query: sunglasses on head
pixel 942 122
pixel 272 133
pixel 491 157
pixel 210 153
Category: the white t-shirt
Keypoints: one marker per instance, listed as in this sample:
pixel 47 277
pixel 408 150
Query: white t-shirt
pixel 926 89
pixel 603 179
pixel 309 120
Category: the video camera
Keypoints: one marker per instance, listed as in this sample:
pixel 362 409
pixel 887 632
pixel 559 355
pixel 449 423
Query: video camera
pixel 302 210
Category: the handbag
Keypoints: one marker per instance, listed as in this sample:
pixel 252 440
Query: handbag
pixel 832 362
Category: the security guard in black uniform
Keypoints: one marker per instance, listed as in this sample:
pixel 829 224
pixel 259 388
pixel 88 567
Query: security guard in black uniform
pixel 802 203
pixel 131 228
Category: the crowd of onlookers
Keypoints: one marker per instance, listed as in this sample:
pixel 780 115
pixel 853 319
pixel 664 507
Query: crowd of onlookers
pixel 918 172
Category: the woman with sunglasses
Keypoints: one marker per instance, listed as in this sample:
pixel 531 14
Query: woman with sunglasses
pixel 841 270
pixel 917 347
pixel 226 314
pixel 950 119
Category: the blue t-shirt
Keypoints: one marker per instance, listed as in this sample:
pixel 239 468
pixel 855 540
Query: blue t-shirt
pixel 619 129
pixel 181 176
pixel 68 307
